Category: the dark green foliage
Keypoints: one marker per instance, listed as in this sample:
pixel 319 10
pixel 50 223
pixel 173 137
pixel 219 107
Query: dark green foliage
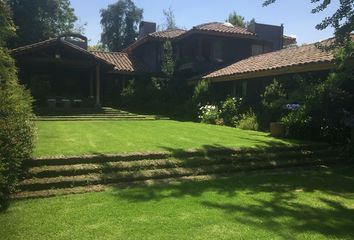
pixel 237 20
pixel 7 29
pixel 201 95
pixel 119 22
pixel 16 129
pixel 273 102
pixel 231 111
pixel 41 19
pixel 322 112
pixel 167 62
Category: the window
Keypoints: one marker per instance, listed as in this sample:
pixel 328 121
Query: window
pixel 217 51
pixel 239 89
pixel 244 88
pixel 257 49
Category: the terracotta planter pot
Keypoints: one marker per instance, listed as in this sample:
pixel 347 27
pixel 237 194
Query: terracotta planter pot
pixel 277 129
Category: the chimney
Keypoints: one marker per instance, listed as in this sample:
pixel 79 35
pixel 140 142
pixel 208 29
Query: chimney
pixel 146 28
pixel 268 33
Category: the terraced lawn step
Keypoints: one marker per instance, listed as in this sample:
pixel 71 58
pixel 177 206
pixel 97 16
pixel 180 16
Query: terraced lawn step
pixel 101 187
pixel 94 119
pixel 130 176
pixel 242 153
pixel 105 113
pixel 146 164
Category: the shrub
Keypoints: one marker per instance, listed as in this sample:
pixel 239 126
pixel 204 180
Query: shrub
pixel 273 101
pixel 248 121
pixel 201 95
pixel 209 114
pixel 230 111
pixel 16 128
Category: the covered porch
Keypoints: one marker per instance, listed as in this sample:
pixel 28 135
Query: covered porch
pixel 61 74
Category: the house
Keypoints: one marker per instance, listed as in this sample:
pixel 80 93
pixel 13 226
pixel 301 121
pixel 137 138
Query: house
pixel 62 70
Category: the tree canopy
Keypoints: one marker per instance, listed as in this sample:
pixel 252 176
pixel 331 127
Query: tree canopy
pixel 170 21
pixel 237 20
pixel 120 24
pixel 41 19
pixel 7 28
pixel 342 20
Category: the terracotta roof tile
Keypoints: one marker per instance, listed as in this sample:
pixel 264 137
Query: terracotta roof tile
pixel 168 34
pixel 54 41
pixel 290 57
pixel 223 28
pixel 122 61
pixel 288 40
pixel 45 43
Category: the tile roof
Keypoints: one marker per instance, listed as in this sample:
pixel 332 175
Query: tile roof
pixel 288 40
pixel 282 59
pixel 226 28
pixel 161 35
pixel 209 28
pixel 168 34
pixel 42 44
pixel 122 62
pixel 52 42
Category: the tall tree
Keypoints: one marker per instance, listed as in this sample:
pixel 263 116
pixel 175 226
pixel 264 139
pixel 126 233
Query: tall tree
pixel 120 24
pixel 237 20
pixel 342 20
pixel 41 19
pixel 170 21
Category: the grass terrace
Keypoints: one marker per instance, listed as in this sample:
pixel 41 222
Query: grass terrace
pixel 316 203
pixel 99 137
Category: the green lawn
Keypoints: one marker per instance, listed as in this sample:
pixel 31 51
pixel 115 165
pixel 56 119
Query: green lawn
pixel 302 204
pixel 86 137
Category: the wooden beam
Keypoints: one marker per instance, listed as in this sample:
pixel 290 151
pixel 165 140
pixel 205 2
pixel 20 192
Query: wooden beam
pixel 91 83
pixel 98 82
pixel 51 61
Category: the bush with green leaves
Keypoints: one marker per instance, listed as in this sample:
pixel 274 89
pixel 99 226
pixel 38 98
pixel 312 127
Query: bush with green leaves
pixel 231 111
pixel 209 114
pixel 321 113
pixel 201 95
pixel 16 127
pixel 248 121
pixel 273 102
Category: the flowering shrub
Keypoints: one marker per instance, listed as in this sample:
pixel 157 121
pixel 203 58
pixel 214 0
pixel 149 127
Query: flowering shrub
pixel 292 107
pixel 230 111
pixel 209 114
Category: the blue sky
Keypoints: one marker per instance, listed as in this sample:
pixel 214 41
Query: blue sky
pixel 294 14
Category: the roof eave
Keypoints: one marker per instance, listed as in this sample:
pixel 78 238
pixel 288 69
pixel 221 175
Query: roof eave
pixel 300 68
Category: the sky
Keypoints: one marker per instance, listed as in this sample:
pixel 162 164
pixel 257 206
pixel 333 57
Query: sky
pixel 294 14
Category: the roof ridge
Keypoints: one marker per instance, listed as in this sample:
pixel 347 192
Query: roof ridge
pixel 98 51
pixel 34 44
pixel 204 24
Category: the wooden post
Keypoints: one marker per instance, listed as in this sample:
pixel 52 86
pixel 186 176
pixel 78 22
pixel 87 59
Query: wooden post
pixel 91 83
pixel 98 102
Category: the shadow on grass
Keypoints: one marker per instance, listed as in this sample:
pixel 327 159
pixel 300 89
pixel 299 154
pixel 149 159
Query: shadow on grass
pixel 284 202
